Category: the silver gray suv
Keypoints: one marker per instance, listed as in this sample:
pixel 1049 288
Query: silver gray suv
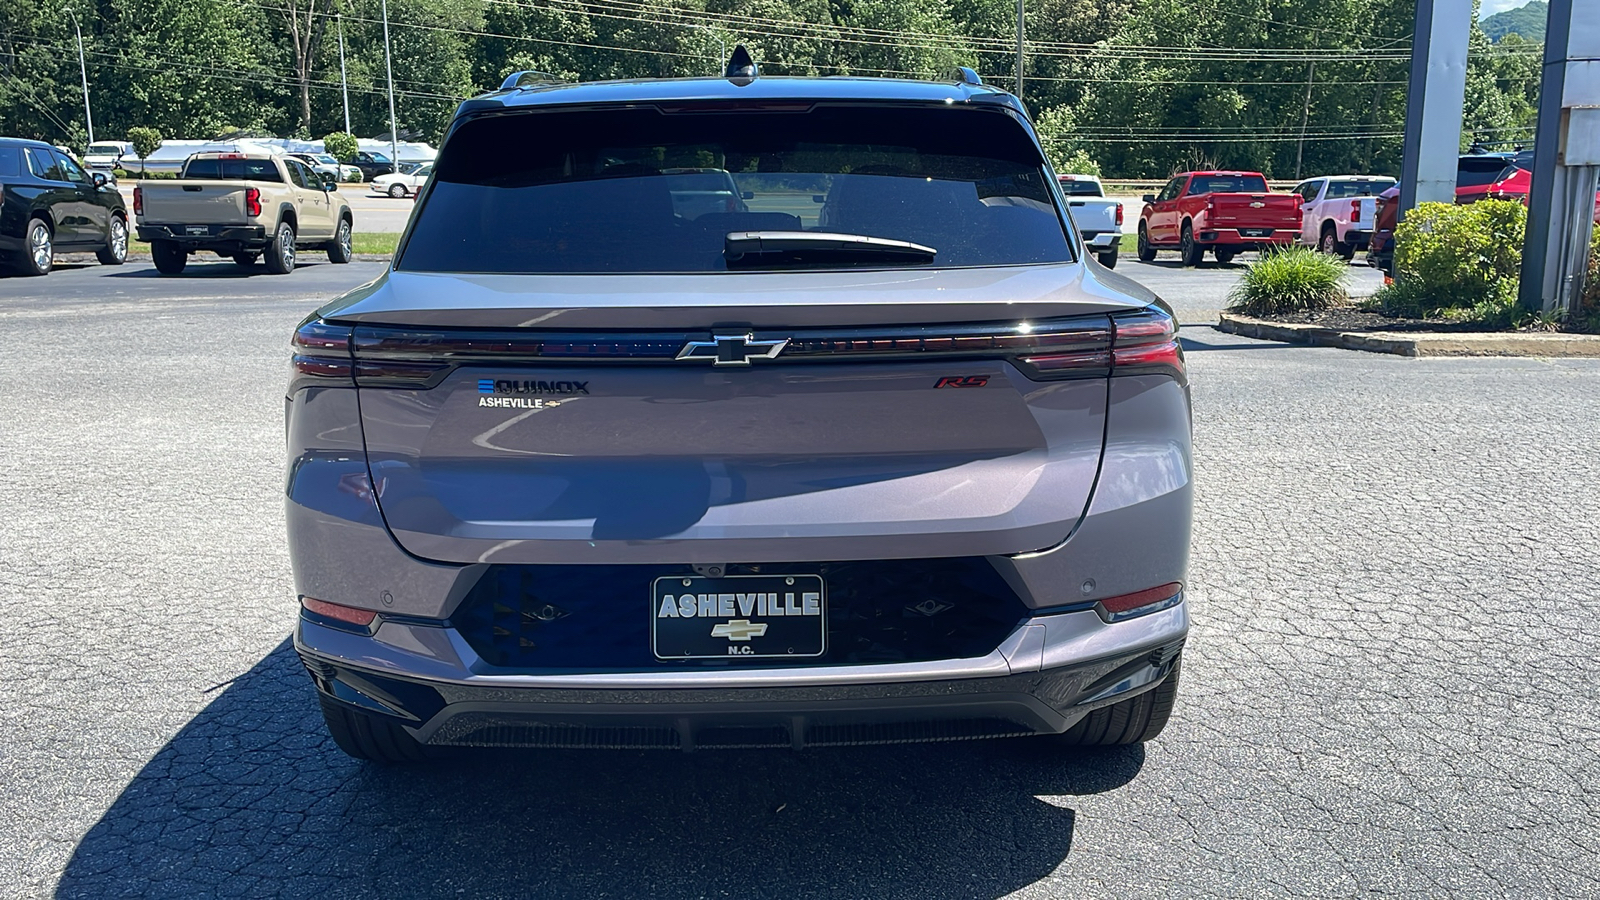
pixel 875 454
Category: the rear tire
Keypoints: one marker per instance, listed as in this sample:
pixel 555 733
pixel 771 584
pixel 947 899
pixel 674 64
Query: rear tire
pixel 397 191
pixel 115 252
pixel 1147 253
pixel 1108 259
pixel 341 250
pixel 38 249
pixel 377 740
pixel 280 253
pixel 1224 256
pixel 168 257
pixel 245 260
pixel 1133 721
pixel 1190 252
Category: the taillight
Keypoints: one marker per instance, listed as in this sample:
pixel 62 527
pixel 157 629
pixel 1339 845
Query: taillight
pixel 252 201
pixel 1141 343
pixel 1355 210
pixel 1140 603
pixel 1119 213
pixel 138 200
pixel 321 356
pixel 345 615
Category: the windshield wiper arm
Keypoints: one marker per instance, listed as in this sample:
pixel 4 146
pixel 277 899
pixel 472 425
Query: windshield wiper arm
pixel 761 248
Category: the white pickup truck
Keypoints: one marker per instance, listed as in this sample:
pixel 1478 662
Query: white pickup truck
pixel 243 206
pixel 1099 220
pixel 1338 211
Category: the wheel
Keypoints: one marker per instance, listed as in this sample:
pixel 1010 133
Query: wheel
pixel 341 250
pixel 245 260
pixel 1223 255
pixel 280 253
pixel 1146 252
pixel 1330 243
pixel 39 253
pixel 169 257
pixel 1188 250
pixel 1107 259
pixel 115 251
pixel 397 191
pixel 1133 721
pixel 368 737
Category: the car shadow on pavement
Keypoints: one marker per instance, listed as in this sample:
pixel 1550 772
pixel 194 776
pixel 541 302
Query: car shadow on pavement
pixel 221 268
pixel 251 798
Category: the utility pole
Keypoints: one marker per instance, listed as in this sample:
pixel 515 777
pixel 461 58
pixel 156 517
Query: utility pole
pixel 344 82
pixel 1019 49
pixel 83 70
pixel 1305 118
pixel 388 68
pixel 1433 102
pixel 722 47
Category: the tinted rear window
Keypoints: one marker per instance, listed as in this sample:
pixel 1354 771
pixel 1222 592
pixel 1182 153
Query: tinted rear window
pixel 1227 184
pixel 1075 188
pixel 1344 190
pixel 233 169
pixel 1479 172
pixel 10 161
pixel 607 191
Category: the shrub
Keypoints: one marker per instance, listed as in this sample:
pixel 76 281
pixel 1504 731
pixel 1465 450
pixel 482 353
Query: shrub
pixel 1450 257
pixel 341 145
pixel 1294 279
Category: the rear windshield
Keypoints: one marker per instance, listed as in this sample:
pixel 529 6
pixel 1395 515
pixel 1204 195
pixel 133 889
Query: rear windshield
pixel 639 190
pixel 233 169
pixel 1075 188
pixel 10 161
pixel 1486 170
pixel 1227 184
pixel 1344 190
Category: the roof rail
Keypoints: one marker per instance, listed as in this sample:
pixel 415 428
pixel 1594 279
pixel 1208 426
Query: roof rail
pixel 528 78
pixel 742 68
pixel 965 75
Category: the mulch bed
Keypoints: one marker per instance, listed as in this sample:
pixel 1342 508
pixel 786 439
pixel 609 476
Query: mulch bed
pixel 1350 318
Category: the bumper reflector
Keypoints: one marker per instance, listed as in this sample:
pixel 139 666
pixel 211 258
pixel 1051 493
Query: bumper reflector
pixel 1140 603
pixel 348 614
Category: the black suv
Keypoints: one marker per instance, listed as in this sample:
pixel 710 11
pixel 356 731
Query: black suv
pixel 49 204
pixel 372 164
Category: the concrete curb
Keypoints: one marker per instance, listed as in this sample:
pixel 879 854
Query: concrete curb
pixel 1419 343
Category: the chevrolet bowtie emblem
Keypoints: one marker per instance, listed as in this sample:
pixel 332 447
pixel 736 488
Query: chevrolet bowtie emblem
pixel 1256 204
pixel 732 349
pixel 739 629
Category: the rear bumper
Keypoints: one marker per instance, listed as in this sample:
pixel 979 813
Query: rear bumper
pixel 1279 236
pixel 1101 241
pixel 213 237
pixel 1049 673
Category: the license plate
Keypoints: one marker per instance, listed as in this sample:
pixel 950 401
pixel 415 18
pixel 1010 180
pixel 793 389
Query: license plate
pixel 1255 232
pixel 738 617
pixel 196 229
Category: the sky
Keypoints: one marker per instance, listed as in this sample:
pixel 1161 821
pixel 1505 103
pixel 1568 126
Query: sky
pixel 1490 7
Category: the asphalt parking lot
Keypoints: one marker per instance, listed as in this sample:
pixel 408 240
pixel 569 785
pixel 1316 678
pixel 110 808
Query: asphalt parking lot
pixel 1391 688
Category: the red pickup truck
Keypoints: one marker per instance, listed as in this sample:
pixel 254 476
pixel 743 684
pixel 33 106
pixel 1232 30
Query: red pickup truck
pixel 1226 212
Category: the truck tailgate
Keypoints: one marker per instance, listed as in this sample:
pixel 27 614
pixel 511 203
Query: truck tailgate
pixel 193 202
pixel 1254 210
pixel 1092 214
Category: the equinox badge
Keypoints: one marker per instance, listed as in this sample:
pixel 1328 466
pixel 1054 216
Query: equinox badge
pixel 732 349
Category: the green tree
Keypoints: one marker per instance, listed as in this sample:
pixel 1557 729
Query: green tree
pixel 145 141
pixel 341 146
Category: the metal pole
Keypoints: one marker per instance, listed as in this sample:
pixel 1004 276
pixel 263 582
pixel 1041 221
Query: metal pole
pixel 1305 117
pixel 344 82
pixel 1433 102
pixel 388 68
pixel 1019 49
pixel 83 70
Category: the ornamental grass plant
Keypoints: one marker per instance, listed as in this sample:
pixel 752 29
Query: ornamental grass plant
pixel 1294 279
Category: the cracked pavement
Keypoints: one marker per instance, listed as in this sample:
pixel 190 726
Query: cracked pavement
pixel 1391 688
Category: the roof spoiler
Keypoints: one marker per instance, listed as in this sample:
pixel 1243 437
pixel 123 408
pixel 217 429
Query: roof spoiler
pixel 528 78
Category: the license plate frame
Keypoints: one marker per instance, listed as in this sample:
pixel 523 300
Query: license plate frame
pixel 749 617
pixel 1255 232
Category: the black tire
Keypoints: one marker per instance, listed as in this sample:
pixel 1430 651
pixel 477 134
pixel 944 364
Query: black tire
pixel 1190 252
pixel 1133 721
pixel 371 738
pixel 115 252
pixel 245 260
pixel 1147 253
pixel 1223 255
pixel 280 253
pixel 169 257
pixel 1329 243
pixel 397 191
pixel 341 250
pixel 38 249
pixel 1107 259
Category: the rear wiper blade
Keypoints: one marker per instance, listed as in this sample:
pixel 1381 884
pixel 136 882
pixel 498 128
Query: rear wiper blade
pixel 810 248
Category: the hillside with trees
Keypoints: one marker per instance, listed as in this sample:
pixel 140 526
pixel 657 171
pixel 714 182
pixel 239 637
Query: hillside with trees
pixel 1525 21
pixel 1138 87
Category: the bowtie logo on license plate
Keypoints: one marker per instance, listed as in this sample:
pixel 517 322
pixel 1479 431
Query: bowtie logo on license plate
pixel 739 629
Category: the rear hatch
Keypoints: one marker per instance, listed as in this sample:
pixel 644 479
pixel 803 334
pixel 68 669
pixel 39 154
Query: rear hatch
pixel 612 382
